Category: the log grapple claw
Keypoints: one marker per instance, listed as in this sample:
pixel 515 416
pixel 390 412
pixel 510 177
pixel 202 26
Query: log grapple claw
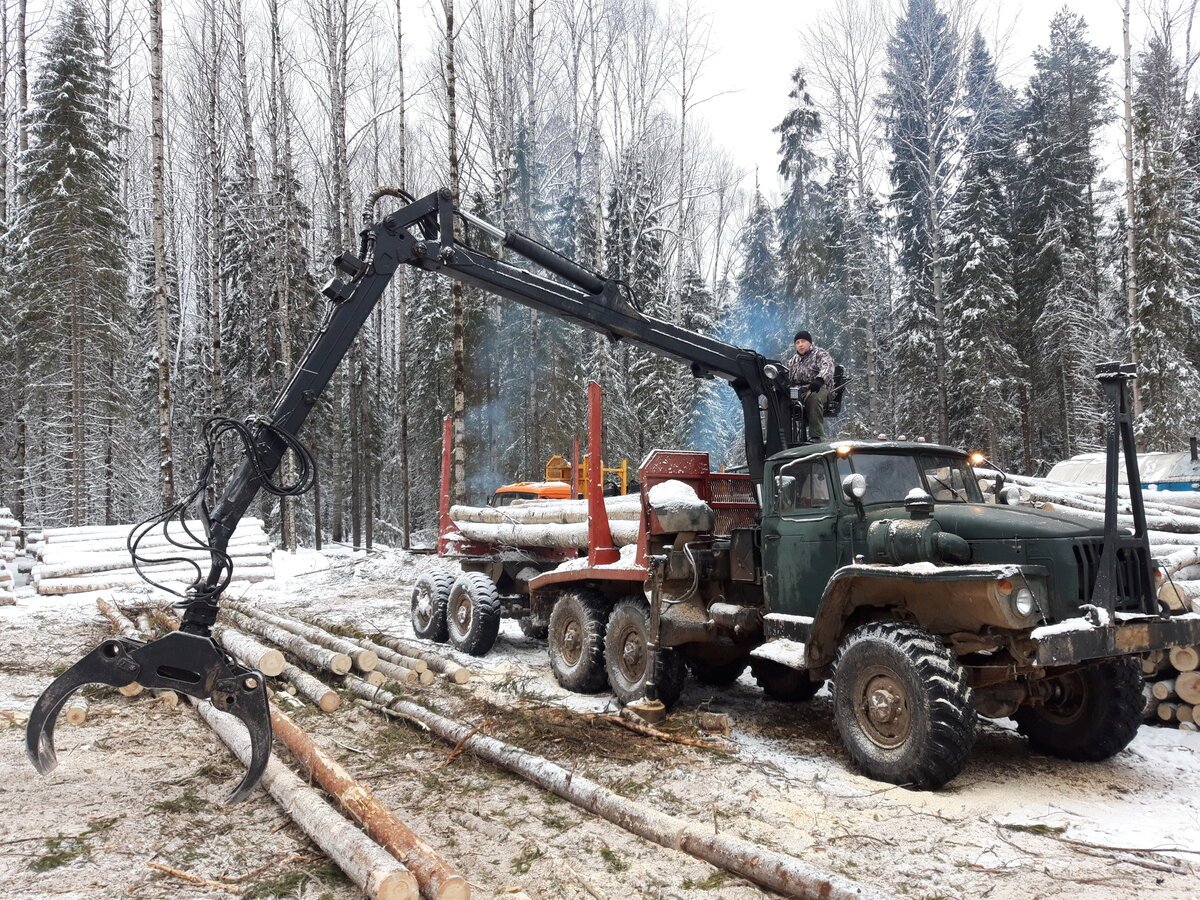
pixel 181 661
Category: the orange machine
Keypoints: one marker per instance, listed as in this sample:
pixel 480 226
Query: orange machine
pixel 530 490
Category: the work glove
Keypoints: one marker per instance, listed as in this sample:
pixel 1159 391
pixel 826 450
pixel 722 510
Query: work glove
pixel 816 384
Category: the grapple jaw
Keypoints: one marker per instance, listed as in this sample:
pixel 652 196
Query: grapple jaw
pixel 181 661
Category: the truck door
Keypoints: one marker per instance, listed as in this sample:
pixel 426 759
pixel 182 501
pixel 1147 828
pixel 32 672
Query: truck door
pixel 799 537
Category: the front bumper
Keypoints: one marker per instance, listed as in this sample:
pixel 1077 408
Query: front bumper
pixel 1078 640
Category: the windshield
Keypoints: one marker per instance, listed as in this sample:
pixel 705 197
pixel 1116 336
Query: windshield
pixel 504 499
pixel 890 476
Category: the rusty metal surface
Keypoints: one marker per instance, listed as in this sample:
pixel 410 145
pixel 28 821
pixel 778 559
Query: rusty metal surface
pixel 1099 642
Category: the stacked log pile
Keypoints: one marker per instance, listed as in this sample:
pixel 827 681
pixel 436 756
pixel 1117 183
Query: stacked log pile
pixel 10 536
pixel 96 558
pixel 1173 688
pixel 553 524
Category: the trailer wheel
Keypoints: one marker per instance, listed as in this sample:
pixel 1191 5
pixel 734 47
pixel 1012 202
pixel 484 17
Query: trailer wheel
pixel 1091 715
pixel 717 674
pixel 577 641
pixel 533 628
pixel 429 598
pixel 902 705
pixel 627 655
pixel 780 682
pixel 473 613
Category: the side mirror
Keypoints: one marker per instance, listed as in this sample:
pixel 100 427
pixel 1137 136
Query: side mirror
pixel 1010 496
pixel 854 487
pixel 785 492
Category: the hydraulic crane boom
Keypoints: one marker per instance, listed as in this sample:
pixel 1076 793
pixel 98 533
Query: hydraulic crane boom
pixel 420 234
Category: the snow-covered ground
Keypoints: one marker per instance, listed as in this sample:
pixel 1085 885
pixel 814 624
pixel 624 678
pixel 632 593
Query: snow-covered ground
pixel 1013 825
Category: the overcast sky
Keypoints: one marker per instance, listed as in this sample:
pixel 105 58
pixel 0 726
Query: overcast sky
pixel 757 46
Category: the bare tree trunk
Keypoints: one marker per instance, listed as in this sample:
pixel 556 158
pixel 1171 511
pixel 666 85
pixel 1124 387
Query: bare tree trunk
pixel 1130 226
pixel 77 430
pixel 166 462
pixel 5 62
pixel 401 283
pixel 23 78
pixel 459 485
pixel 22 442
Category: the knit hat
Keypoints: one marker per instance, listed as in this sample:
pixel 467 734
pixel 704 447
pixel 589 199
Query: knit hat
pixel 802 335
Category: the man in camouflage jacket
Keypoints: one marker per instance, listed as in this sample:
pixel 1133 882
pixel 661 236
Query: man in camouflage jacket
pixel 812 367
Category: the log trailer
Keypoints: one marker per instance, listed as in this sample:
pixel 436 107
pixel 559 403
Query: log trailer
pixel 871 564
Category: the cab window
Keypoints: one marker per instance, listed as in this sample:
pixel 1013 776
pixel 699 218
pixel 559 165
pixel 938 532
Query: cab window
pixel 950 479
pixel 507 497
pixel 890 476
pixel 801 485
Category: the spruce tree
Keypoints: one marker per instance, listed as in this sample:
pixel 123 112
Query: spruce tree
pixel 982 363
pixel 71 243
pixel 1167 258
pixel 922 107
pixel 1059 319
pixel 801 242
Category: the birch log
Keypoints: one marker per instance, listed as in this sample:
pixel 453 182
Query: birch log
pixel 195 525
pixel 351 634
pixel 77 710
pixel 771 869
pixel 1185 659
pixel 440 664
pixel 367 864
pixel 386 654
pixel 337 663
pixel 150 546
pixel 1187 687
pixel 83 563
pixel 556 537
pixel 103 581
pixel 1180 594
pixel 364 660
pixel 436 879
pixel 312 689
pixel 249 651
pixel 565 513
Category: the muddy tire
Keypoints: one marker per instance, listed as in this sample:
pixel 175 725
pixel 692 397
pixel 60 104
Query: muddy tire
pixel 902 705
pixel 780 682
pixel 577 641
pixel 532 628
pixel 718 674
pixel 429 598
pixel 1093 715
pixel 473 613
pixel 627 656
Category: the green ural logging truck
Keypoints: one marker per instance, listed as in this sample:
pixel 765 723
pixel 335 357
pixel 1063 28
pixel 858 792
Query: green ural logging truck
pixel 879 567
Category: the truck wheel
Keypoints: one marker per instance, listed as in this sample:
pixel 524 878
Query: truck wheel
pixel 718 674
pixel 429 598
pixel 1092 714
pixel 902 705
pixel 533 628
pixel 627 654
pixel 780 682
pixel 577 641
pixel 473 613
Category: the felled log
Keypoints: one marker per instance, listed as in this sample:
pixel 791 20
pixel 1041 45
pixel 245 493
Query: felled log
pixel 76 710
pixel 398 674
pixel 312 689
pixel 418 667
pixel 104 581
pixel 1179 595
pixel 436 878
pixel 68 532
pixel 768 868
pixel 556 537
pixel 364 660
pixel 1176 524
pixel 440 664
pixel 547 512
pixel 84 563
pixel 1165 689
pixel 149 546
pixel 373 869
pixel 249 651
pixel 1185 659
pixel 337 663
pixel 352 634
pixel 1166 711
pixel 1187 687
pixel 1181 559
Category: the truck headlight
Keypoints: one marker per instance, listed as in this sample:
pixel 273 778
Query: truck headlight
pixel 1022 602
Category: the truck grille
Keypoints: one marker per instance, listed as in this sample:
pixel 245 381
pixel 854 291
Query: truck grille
pixel 1131 573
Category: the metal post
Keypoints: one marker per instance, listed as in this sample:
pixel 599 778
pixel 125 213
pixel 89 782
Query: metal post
pixel 600 543
pixel 445 523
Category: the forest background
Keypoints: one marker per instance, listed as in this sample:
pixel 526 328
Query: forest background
pixel 173 184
